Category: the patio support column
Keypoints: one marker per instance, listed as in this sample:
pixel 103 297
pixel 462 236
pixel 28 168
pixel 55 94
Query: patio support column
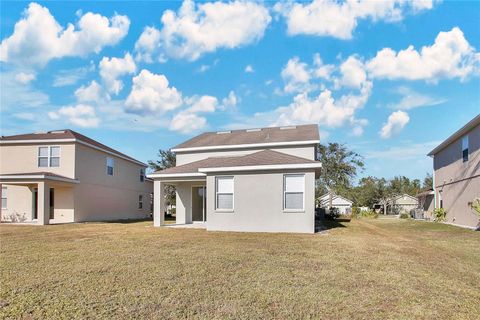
pixel 158 203
pixel 43 195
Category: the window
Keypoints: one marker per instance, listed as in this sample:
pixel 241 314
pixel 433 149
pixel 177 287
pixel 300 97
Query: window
pixel 224 193
pixel 4 197
pixel 140 201
pixel 110 166
pixel 465 148
pixel 293 190
pixel 48 157
pixel 142 174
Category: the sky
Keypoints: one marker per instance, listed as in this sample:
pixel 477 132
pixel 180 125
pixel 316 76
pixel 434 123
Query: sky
pixel 390 79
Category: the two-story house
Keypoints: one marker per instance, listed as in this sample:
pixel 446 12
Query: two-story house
pixel 63 176
pixel 260 180
pixel 456 177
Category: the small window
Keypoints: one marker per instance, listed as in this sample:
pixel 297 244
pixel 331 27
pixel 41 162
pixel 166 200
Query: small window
pixel 465 148
pixel 293 192
pixel 140 201
pixel 224 193
pixel 110 166
pixel 4 197
pixel 48 157
pixel 142 175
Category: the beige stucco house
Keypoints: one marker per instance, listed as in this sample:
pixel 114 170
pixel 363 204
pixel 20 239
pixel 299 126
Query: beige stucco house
pixel 456 176
pixel 260 180
pixel 63 176
pixel 397 204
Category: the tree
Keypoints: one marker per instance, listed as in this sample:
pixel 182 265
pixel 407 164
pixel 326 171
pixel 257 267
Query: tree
pixel 339 167
pixel 166 159
pixel 428 182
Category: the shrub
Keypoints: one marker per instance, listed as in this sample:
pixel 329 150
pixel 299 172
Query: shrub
pixel 355 212
pixel 404 215
pixel 369 214
pixel 439 214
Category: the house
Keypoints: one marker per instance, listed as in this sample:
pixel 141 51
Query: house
pixel 343 205
pixel 63 176
pixel 426 203
pixel 260 180
pixel 456 174
pixel 402 203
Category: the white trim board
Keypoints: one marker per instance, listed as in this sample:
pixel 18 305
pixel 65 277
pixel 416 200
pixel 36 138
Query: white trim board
pixel 247 145
pixel 175 175
pixel 38 176
pixel 263 167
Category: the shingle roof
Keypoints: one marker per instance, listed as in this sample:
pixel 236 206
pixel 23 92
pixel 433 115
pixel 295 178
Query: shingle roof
pixel 63 134
pixel 264 157
pixel 253 136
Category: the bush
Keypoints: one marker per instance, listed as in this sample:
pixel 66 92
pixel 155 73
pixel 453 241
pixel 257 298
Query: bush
pixel 355 212
pixel 404 215
pixel 439 214
pixel 369 214
pixel 332 213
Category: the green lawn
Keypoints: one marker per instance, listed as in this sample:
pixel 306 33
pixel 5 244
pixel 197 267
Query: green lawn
pixel 365 269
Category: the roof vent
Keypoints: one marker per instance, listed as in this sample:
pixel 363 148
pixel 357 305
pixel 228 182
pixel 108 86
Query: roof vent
pixel 224 132
pixel 57 131
pixel 288 128
pixel 253 130
pixel 40 132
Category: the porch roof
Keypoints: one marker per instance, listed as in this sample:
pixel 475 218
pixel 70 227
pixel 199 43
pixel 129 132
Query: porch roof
pixel 34 176
pixel 261 160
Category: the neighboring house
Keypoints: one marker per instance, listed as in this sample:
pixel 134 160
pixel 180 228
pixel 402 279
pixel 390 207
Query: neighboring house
pixel 63 176
pixel 343 205
pixel 397 204
pixel 244 180
pixel 456 176
pixel 426 202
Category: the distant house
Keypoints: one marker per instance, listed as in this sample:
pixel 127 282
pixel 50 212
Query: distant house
pixel 397 204
pixel 63 176
pixel 456 175
pixel 426 202
pixel 343 205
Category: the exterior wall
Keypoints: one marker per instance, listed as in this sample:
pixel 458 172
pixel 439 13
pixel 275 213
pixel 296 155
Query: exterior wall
pixel 184 201
pixel 457 183
pixel 19 203
pixel 258 205
pixel 307 152
pixel 20 158
pixel 103 197
pixel 405 204
pixel 63 205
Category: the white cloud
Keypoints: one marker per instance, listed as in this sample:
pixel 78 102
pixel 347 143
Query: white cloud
pixel 395 123
pixel 24 78
pixel 451 56
pixel 202 104
pixel 68 77
pixel 113 68
pixel 185 122
pixel 90 93
pixel 147 44
pixel 27 116
pixel 151 93
pixel 321 70
pixel 339 19
pixel 412 99
pixel 249 69
pixel 80 115
pixel 296 75
pixel 198 29
pixel 353 73
pixel 16 96
pixel 38 37
pixel 230 101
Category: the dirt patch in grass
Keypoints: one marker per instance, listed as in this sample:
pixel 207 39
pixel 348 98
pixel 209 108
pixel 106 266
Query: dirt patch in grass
pixel 375 269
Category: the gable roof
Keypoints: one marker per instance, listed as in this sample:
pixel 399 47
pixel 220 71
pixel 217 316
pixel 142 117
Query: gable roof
pixel 458 134
pixel 326 197
pixel 251 137
pixel 265 159
pixel 65 135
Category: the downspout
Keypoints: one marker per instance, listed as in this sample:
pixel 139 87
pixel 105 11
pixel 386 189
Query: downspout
pixel 434 185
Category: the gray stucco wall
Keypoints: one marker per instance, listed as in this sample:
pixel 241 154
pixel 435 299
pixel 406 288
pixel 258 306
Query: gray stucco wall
pixel 258 205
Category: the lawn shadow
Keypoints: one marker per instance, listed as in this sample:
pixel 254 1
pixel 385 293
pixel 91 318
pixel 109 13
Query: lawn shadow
pixel 323 224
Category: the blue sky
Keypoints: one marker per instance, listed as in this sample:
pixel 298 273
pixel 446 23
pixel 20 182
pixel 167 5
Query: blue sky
pixel 390 79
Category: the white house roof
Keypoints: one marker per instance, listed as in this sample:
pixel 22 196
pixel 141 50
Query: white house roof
pixel 325 198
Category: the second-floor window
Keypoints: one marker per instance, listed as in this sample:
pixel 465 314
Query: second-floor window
pixel 48 156
pixel 465 148
pixel 140 201
pixel 142 174
pixel 110 166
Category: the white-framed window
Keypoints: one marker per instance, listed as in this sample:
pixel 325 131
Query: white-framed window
pixel 224 193
pixel 110 166
pixel 48 156
pixel 465 148
pixel 140 201
pixel 4 197
pixel 293 192
pixel 142 174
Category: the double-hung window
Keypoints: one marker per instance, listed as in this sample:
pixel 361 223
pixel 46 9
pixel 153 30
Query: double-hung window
pixel 293 192
pixel 110 166
pixel 224 193
pixel 4 197
pixel 140 201
pixel 465 148
pixel 142 175
pixel 48 156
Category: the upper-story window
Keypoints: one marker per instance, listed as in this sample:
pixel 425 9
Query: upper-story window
pixel 110 166
pixel 465 148
pixel 142 174
pixel 48 156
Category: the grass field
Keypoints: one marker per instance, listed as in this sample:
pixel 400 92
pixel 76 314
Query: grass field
pixel 364 269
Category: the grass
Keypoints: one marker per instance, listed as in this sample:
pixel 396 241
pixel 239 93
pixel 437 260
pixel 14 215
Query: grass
pixel 364 269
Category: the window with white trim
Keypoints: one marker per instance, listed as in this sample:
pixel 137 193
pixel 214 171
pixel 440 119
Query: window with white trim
pixel 224 193
pixel 140 201
pixel 465 148
pixel 293 192
pixel 4 197
pixel 142 175
pixel 110 166
pixel 48 156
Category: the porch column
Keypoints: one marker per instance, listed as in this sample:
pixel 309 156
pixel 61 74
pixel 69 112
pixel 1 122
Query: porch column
pixel 43 213
pixel 158 203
